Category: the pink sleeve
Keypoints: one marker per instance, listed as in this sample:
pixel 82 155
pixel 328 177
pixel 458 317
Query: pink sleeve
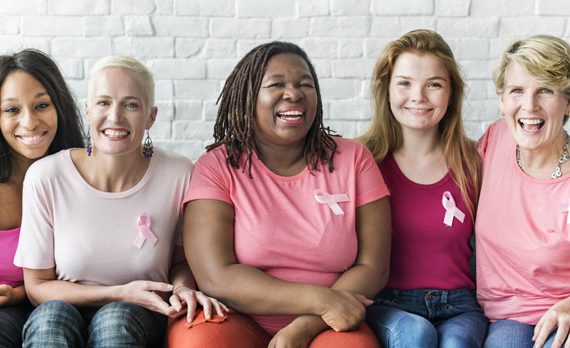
pixel 210 178
pixel 370 184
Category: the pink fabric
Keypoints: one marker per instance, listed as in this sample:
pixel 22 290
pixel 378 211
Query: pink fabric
pixel 9 273
pixel 523 238
pixel 280 227
pixel 426 254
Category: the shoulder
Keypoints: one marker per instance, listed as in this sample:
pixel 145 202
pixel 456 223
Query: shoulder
pixel 173 161
pixel 48 166
pixel 214 157
pixel 349 148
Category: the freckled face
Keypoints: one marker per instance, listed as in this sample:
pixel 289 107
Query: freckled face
pixel 28 118
pixel 286 102
pixel 419 90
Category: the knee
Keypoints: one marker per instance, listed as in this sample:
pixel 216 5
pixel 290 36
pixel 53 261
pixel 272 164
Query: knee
pixel 56 321
pixel 457 341
pixel 411 331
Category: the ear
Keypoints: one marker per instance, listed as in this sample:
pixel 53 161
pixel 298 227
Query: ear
pixel 152 117
pixel 567 112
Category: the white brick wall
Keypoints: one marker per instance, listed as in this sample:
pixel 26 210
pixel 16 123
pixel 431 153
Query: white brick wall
pixel 192 45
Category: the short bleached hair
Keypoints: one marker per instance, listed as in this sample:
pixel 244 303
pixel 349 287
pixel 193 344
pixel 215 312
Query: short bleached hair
pixel 129 63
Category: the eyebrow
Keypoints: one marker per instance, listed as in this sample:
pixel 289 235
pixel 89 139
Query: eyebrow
pixel 429 79
pixel 278 76
pixel 38 95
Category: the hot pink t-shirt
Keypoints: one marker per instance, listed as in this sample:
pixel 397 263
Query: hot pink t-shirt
pixel 280 227
pixel 522 233
pixel 9 273
pixel 426 253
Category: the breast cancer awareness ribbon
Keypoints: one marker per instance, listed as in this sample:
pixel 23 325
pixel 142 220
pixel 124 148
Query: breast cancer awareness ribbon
pixel 332 200
pixel 451 210
pixel 144 232
pixel 566 208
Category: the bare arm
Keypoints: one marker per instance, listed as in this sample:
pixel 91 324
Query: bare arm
pixel 11 296
pixel 41 286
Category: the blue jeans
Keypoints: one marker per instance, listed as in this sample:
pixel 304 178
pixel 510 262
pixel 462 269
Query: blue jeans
pixel 427 318
pixel 12 319
pixel 511 333
pixel 117 324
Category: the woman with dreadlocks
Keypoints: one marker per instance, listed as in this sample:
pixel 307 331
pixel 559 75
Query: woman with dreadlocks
pixel 285 223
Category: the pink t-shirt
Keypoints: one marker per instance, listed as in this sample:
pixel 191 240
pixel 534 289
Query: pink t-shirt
pixel 426 253
pixel 280 227
pixel 522 233
pixel 9 273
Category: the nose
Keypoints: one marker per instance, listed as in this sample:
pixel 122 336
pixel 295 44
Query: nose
pixel 292 93
pixel 29 119
pixel 417 94
pixel 114 113
pixel 529 103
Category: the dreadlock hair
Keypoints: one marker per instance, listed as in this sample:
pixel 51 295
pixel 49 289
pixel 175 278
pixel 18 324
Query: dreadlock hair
pixel 43 69
pixel 235 121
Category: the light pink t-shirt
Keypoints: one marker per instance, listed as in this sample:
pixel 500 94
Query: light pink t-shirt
pixel 522 234
pixel 88 235
pixel 280 227
pixel 9 273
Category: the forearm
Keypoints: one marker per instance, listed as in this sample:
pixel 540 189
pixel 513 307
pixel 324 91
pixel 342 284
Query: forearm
pixel 73 293
pixel 181 276
pixel 254 292
pixel 362 279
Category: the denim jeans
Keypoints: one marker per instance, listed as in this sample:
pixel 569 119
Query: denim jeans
pixel 117 324
pixel 427 318
pixel 12 319
pixel 511 333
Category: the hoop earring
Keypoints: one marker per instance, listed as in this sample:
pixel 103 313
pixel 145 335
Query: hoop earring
pixel 147 146
pixel 88 143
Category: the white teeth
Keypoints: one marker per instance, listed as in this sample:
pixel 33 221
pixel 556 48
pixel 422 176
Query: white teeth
pixel 115 133
pixel 290 113
pixel 531 121
pixel 30 139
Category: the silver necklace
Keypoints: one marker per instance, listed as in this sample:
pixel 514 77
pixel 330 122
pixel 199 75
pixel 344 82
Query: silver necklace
pixel 564 157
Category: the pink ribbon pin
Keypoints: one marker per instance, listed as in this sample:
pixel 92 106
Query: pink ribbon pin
pixel 332 200
pixel 144 232
pixel 566 208
pixel 451 210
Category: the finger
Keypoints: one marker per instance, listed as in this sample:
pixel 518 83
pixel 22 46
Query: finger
pixel 561 334
pixel 364 300
pixel 537 328
pixel 224 307
pixel 175 302
pixel 207 308
pixel 158 286
pixel 544 332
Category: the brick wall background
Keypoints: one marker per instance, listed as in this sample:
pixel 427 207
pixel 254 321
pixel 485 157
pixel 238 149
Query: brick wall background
pixel 191 46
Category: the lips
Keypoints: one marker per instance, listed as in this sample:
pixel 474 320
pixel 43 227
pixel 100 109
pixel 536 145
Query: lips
pixel 115 133
pixel 418 110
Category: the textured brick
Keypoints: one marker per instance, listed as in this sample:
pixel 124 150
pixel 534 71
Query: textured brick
pixel 210 111
pixel 211 8
pixel 350 48
pixel 219 68
pixel 164 7
pixel 402 7
pixel 244 46
pixel 374 47
pixel 163 89
pixel 393 27
pixel 476 90
pixel 161 130
pixel 481 110
pixel 320 48
pixel 289 28
pixel 189 47
pixel 132 7
pixel 322 67
pixel 9 25
pixel 71 68
pixel 345 128
pixel 188 110
pixel 152 47
pixel 240 28
pixel 165 110
pixel 196 89
pixel 180 26
pixel 553 7
pixel 264 8
pixel 478 69
pixel 51 26
pixel 177 68
pixel 193 130
pixel 468 27
pixel 469 48
pixel 449 8
pixel 78 89
pixel 312 8
pixel 23 7
pixel 522 27
pixel 355 109
pixel 339 88
pixel 84 47
pixel 350 8
pixel 513 8
pixel 220 48
pixel 138 25
pixel 344 68
pixel 103 26
pixel 339 26
pixel 78 7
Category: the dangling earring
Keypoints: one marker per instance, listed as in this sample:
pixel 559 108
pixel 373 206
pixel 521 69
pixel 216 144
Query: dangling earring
pixel 88 143
pixel 147 146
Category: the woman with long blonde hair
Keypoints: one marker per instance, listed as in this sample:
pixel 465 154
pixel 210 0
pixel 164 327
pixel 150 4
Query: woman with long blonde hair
pixel 432 171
